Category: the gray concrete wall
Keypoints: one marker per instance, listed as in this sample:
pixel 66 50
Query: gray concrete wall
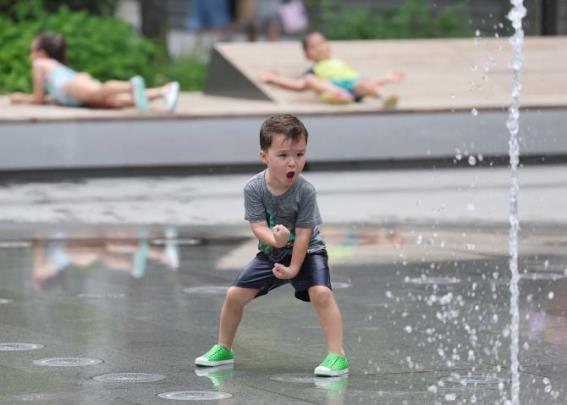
pixel 233 141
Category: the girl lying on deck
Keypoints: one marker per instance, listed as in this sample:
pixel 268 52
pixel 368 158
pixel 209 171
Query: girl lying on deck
pixel 54 82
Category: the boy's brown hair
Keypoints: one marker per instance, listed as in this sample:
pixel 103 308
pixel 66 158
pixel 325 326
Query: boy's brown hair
pixel 282 124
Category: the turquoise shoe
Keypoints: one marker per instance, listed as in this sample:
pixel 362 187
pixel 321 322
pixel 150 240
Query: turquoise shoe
pixel 138 93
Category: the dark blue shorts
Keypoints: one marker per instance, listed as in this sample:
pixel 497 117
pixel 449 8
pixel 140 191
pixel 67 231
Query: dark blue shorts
pixel 258 274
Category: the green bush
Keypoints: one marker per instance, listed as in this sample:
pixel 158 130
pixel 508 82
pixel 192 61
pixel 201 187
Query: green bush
pixel 412 20
pixel 105 47
pixel 20 10
pixel 189 72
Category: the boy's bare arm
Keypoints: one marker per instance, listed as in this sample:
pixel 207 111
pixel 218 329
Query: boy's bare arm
pixel 300 245
pixel 276 237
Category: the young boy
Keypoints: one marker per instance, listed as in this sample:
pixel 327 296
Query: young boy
pixel 332 78
pixel 282 210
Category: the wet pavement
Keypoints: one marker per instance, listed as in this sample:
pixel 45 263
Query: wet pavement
pixel 114 312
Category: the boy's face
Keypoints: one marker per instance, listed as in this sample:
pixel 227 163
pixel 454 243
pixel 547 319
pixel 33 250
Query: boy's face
pixel 318 48
pixel 285 160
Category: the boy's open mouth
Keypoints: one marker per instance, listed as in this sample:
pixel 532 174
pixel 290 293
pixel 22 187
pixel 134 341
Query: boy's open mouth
pixel 290 175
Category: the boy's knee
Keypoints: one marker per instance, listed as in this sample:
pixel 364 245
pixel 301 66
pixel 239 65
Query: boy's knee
pixel 239 296
pixel 320 295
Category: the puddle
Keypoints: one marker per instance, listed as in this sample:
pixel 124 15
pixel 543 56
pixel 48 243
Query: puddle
pixel 129 377
pixel 340 284
pixel 194 395
pixel 19 347
pixel 178 242
pixel 14 244
pixel 98 296
pixel 432 280
pixel 543 276
pixel 484 381
pixel 207 290
pixel 67 362
pixel 294 378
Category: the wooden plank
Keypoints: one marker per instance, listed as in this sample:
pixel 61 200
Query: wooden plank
pixel 441 75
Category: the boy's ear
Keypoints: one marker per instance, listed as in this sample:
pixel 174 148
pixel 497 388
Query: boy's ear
pixel 263 156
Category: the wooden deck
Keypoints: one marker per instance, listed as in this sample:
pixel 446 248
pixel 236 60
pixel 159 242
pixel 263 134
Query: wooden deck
pixel 441 75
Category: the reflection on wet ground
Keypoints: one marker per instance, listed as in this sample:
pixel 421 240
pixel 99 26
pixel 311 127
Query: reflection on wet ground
pixel 116 316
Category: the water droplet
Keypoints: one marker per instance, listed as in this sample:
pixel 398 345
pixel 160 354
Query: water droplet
pixel 474 112
pixel 551 295
pixel 472 160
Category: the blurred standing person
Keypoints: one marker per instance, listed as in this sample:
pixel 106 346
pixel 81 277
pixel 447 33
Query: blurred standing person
pixel 260 17
pixel 209 15
pixel 293 16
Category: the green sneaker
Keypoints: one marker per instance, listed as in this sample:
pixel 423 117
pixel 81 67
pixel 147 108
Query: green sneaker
pixel 333 365
pixel 216 356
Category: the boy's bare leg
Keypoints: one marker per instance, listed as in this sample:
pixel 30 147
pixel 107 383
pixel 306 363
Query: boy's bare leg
pixel 330 317
pixel 231 313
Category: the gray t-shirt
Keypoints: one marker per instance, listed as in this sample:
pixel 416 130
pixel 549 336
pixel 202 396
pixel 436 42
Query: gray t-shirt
pixel 296 208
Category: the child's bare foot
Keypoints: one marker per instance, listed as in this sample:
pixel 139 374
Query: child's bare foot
pixel 394 77
pixel 390 101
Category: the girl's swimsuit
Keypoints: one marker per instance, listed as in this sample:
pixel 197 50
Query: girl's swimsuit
pixel 55 82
